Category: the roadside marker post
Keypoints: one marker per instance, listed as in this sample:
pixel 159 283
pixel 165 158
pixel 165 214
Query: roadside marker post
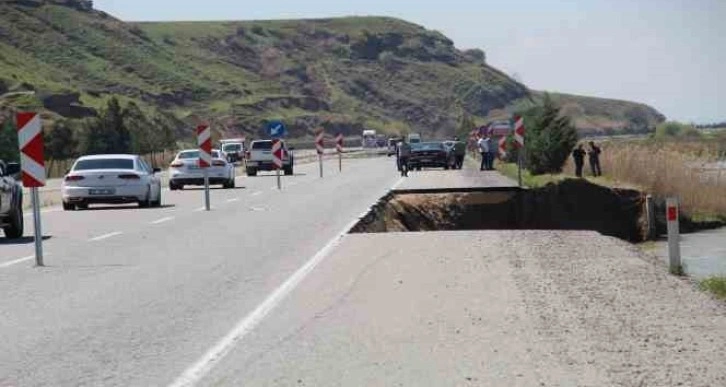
pixel 204 140
pixel 320 146
pixel 339 149
pixel 674 243
pixel 32 163
pixel 519 142
pixel 277 155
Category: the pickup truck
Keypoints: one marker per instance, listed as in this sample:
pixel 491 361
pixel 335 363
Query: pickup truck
pixel 11 201
pixel 259 158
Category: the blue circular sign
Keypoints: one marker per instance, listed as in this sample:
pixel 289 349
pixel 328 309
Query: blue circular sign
pixel 276 129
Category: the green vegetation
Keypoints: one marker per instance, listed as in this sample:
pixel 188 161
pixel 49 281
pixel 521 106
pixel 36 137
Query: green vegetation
pixel 528 179
pixel 550 138
pixel 341 74
pixel 672 129
pixel 715 285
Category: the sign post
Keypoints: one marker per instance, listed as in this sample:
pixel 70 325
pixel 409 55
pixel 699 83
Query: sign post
pixel 674 244
pixel 277 155
pixel 32 162
pixel 339 149
pixel 320 146
pixel 204 140
pixel 519 141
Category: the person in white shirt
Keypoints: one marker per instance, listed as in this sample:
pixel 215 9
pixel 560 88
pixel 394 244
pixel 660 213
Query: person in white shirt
pixel 484 144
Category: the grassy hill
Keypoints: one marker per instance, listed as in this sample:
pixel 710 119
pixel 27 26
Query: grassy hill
pixel 344 74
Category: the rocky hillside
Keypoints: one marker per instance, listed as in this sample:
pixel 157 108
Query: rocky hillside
pixel 344 74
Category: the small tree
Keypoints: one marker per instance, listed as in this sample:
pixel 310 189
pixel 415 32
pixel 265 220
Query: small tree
pixel 549 139
pixel 8 141
pixel 60 143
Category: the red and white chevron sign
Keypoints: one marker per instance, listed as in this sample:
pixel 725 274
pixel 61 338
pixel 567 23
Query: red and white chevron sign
pixel 30 140
pixel 319 142
pixel 277 153
pixel 519 131
pixel 503 147
pixel 204 140
pixel 339 143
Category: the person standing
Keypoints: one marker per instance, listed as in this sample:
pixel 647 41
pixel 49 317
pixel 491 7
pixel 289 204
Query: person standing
pixel 595 159
pixel 579 155
pixel 483 146
pixel 404 153
pixel 492 152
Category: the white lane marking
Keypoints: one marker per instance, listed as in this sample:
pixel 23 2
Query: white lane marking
pixel 17 261
pixel 105 236
pixel 163 220
pixel 222 348
pixel 258 193
pixel 257 209
pixel 232 200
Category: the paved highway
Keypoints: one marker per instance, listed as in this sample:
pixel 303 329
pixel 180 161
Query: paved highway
pixel 134 297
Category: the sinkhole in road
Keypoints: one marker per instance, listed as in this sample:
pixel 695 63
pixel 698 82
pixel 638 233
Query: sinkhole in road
pixel 572 204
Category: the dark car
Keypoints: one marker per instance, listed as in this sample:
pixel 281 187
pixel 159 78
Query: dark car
pixel 429 155
pixel 11 201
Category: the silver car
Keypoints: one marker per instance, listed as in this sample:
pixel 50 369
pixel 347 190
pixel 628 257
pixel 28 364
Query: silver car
pixel 111 179
pixel 184 170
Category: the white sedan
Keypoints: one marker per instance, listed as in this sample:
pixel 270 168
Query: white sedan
pixel 184 170
pixel 111 179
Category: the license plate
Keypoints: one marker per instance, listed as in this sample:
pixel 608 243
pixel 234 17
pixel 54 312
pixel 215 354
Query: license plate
pixel 101 192
pixel 193 166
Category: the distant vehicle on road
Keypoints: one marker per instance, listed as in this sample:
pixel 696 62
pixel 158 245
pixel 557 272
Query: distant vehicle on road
pixel 233 149
pixel 11 201
pixel 184 170
pixel 259 158
pixel 430 155
pixel 111 179
pixel 369 139
pixel 392 146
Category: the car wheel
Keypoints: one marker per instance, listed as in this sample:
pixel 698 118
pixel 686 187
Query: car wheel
pixel 68 206
pixel 15 229
pixel 157 203
pixel 288 171
pixel 146 203
pixel 251 172
pixel 173 187
pixel 82 206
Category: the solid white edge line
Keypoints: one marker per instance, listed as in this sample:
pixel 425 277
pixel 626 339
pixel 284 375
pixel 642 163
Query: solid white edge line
pixel 163 220
pixel 232 200
pixel 17 261
pixel 105 236
pixel 223 347
pixel 258 193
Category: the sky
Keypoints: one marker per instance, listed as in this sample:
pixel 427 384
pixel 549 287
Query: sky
pixel 670 54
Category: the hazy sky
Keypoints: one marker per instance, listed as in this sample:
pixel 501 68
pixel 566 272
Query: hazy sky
pixel 670 54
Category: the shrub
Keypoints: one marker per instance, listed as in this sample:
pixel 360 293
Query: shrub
pixel 550 138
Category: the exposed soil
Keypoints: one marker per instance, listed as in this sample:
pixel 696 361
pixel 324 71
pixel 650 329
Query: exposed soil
pixel 569 205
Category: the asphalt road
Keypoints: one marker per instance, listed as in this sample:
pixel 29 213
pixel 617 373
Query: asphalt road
pixel 134 297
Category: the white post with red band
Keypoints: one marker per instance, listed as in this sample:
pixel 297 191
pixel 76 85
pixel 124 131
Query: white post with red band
pixel 320 146
pixel 339 149
pixel 32 163
pixel 278 154
pixel 204 141
pixel 674 243
pixel 519 143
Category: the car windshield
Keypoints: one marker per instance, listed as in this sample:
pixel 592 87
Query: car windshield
pixel 83 165
pixel 427 146
pixel 215 155
pixel 262 145
pixel 188 155
pixel 232 147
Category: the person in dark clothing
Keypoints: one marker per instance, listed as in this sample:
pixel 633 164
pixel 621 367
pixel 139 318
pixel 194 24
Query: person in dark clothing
pixel 404 154
pixel 594 154
pixel 579 155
